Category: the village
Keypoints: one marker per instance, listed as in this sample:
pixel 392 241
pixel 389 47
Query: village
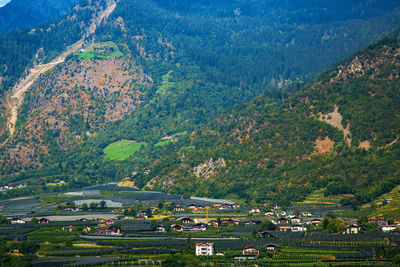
pixel 266 233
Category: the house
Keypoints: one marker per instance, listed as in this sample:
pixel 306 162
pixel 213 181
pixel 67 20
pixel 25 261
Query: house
pixel 306 214
pixel 255 210
pixel 269 213
pixel 250 250
pixel 177 227
pixel 142 214
pixel 160 229
pixel 110 222
pixel 284 228
pixel 229 222
pixel 295 220
pixel 199 227
pixel 213 223
pixel 193 207
pixel 272 247
pixel 250 223
pixel 265 234
pixel 381 221
pixel 388 228
pixel 204 249
pixel 291 215
pixel 178 208
pixel 226 207
pixel 146 171
pixel 316 221
pixel 114 230
pixel 307 221
pixel 69 228
pixel 298 228
pixel 185 220
pixel 235 206
pixel 44 220
pixel 101 231
pixel 87 229
pixel 283 221
pixel 352 229
pixel 17 221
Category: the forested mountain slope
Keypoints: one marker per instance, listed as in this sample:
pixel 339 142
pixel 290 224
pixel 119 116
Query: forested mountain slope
pixel 27 14
pixel 153 73
pixel 339 133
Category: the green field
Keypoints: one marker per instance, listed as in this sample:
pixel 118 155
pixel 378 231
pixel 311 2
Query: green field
pixel 121 150
pixel 317 198
pixel 101 50
pixel 166 83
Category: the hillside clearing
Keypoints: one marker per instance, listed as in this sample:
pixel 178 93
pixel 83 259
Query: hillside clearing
pixel 121 150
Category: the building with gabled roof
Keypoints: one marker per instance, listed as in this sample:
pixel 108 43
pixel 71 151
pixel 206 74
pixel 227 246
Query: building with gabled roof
pixel 204 249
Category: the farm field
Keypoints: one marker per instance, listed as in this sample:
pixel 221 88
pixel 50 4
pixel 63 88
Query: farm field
pixel 317 198
pixel 101 50
pixel 121 150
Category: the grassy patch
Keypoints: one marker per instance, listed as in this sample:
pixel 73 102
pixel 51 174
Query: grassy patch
pixel 121 150
pixel 163 143
pixel 166 84
pixel 101 50
pixel 317 198
pixel 173 139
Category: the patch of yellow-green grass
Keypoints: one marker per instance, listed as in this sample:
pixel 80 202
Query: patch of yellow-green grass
pixel 173 139
pixel 121 150
pixel 165 84
pixel 317 198
pixel 388 205
pixel 101 50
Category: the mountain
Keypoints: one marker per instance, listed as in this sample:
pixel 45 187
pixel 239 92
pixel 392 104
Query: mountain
pixel 27 14
pixel 117 87
pixel 338 133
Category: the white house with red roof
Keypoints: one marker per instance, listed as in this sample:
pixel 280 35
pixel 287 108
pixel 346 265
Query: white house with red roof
pixel 204 249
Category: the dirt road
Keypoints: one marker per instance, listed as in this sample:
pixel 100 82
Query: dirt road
pixel 17 98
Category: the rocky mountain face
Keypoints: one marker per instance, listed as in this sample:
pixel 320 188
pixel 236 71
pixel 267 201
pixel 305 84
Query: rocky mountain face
pixel 27 14
pixel 70 104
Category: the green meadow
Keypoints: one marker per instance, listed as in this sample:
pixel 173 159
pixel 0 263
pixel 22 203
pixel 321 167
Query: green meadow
pixel 121 150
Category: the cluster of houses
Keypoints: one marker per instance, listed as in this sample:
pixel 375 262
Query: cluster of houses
pixel 9 187
pixel 17 220
pixel 222 207
pixel 248 253
pixel 384 225
pixel 107 227
pixel 186 224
